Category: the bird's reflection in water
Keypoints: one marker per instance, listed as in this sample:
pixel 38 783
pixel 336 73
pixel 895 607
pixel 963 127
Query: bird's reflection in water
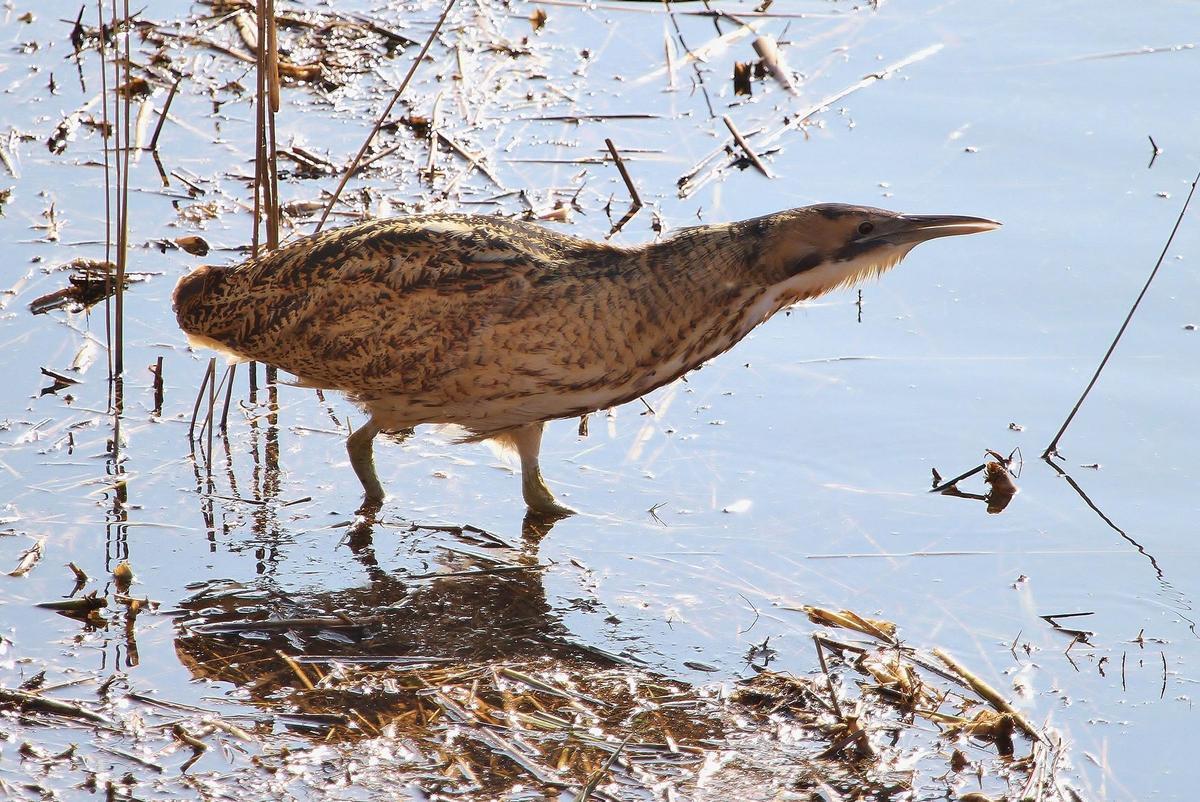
pixel 484 601
pixel 466 663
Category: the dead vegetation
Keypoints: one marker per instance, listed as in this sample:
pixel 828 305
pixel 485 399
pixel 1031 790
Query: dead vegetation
pixel 468 711
pixel 464 683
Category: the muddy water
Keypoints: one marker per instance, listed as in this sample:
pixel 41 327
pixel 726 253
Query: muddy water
pixel 790 471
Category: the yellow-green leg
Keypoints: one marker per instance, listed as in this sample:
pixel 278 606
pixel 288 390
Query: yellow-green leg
pixel 538 497
pixel 358 446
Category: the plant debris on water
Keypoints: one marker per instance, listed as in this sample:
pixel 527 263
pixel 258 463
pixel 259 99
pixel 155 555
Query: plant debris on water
pixel 454 676
pixel 408 686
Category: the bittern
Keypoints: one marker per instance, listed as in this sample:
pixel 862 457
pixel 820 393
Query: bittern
pixel 499 325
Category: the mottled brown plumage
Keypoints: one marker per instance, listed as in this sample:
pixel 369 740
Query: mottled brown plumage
pixel 499 326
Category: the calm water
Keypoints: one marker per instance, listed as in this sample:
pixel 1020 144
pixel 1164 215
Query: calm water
pixel 791 470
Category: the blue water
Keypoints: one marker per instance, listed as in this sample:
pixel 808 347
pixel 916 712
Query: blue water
pixel 817 434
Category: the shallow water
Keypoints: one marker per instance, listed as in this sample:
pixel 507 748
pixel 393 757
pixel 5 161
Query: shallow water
pixel 790 471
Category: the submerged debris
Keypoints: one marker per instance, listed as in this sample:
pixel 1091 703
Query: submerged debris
pixel 472 711
pixel 89 283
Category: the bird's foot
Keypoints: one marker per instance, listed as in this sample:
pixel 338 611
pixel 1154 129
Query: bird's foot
pixel 541 501
pixel 552 510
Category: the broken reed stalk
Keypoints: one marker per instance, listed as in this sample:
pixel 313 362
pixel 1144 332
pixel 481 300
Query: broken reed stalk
pixel 633 193
pixel 265 184
pixel 585 793
pixel 964 475
pixel 990 694
pixel 162 118
pixel 1052 449
pixel 745 146
pixel 114 311
pixel 337 193
pixel 212 400
pixel 833 699
pixel 158 386
pixel 232 370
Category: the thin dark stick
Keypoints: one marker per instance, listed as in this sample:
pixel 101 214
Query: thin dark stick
pixel 158 386
pixel 837 708
pixel 633 193
pixel 695 60
pixel 162 118
pixel 1052 449
pixel 745 146
pixel 212 402
pixel 107 194
pixel 337 193
pixel 228 398
pixel 957 479
pixel 272 147
pixel 122 216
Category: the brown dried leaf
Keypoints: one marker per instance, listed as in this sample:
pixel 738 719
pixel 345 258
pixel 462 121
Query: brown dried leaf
pixel 847 619
pixel 990 726
pixel 1003 487
pixel 135 88
pixel 29 558
pixel 196 246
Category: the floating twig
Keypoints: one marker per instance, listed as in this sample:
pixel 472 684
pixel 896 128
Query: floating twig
pixel 745 146
pixel 633 193
pixel 24 700
pixel 162 117
pixel 768 50
pixel 198 746
pixel 990 694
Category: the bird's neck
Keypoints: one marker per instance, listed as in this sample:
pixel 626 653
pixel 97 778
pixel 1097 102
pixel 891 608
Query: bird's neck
pixel 690 297
pixel 716 256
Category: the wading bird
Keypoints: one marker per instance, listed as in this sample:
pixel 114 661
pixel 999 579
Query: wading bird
pixel 499 326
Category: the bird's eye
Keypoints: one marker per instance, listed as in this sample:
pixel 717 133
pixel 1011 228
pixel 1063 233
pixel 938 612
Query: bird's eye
pixel 865 228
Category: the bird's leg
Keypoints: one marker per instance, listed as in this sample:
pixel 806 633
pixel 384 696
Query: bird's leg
pixel 358 446
pixel 538 498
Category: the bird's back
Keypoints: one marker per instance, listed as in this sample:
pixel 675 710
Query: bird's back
pixel 435 314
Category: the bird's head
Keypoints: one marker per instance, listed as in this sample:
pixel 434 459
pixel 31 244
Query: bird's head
pixel 818 248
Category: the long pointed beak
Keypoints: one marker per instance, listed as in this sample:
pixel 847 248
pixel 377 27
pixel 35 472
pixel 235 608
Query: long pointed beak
pixel 922 227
